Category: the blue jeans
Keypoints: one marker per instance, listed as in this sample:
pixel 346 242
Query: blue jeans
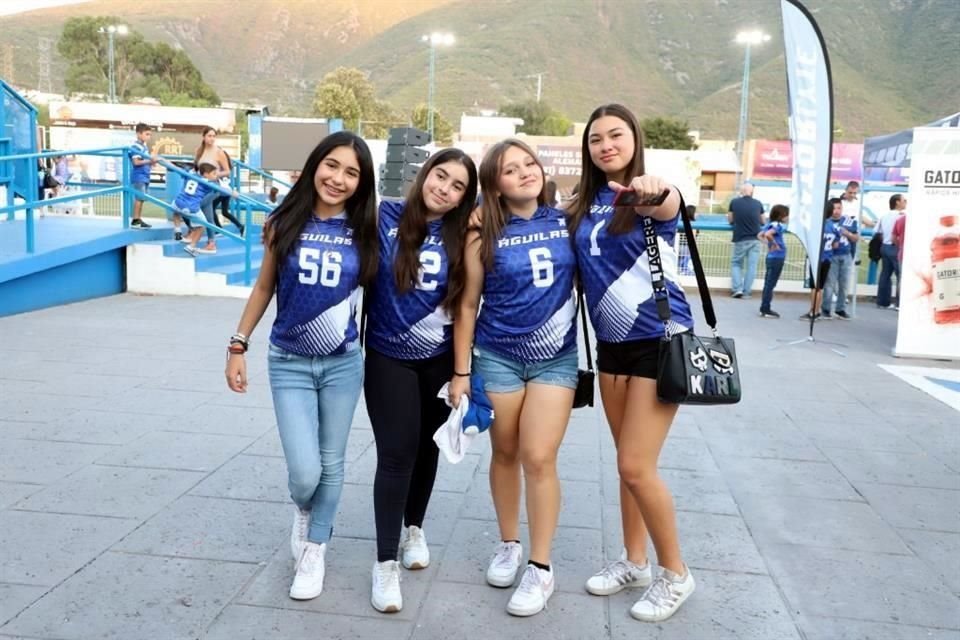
pixel 840 267
pixel 774 267
pixel 314 398
pixel 889 266
pixel 206 206
pixel 744 251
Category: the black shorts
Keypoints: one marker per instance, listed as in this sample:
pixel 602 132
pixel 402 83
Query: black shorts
pixel 822 274
pixel 639 358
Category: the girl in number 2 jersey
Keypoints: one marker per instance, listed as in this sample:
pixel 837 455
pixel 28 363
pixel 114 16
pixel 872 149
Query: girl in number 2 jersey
pixel 320 246
pixel 611 253
pixel 523 264
pixel 410 356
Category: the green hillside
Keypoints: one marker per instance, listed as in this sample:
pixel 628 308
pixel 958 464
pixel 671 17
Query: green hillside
pixel 893 60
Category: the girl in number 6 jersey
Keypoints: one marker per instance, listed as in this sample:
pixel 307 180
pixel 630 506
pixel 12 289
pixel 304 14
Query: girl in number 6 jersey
pixel 523 264
pixel 611 253
pixel 320 246
pixel 410 356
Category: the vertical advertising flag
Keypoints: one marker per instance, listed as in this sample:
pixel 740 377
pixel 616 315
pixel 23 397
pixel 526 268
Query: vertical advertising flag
pixel 810 104
pixel 929 320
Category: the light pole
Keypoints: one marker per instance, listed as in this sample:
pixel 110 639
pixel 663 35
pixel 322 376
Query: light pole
pixel 433 40
pixel 539 76
pixel 749 39
pixel 111 31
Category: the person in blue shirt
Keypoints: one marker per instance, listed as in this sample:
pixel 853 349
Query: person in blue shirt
pixel 841 264
pixel 772 236
pixel 831 244
pixel 524 346
pixel 409 348
pixel 320 247
pixel 616 274
pixel 189 204
pixel 140 177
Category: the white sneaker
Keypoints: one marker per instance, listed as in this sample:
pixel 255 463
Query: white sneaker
pixel 385 596
pixel 298 533
pixel 663 597
pixel 308 583
pixel 530 598
pixel 505 564
pixel 414 553
pixel 619 575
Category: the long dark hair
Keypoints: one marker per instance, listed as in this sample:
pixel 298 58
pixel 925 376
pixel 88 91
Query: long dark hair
pixel 412 230
pixel 592 178
pixel 493 208
pixel 283 227
pixel 828 207
pixel 199 151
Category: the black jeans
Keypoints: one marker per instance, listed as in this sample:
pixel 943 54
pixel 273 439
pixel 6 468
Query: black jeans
pixel 224 203
pixel 774 267
pixel 404 410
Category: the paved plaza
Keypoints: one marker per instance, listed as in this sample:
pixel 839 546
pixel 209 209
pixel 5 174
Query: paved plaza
pixel 140 499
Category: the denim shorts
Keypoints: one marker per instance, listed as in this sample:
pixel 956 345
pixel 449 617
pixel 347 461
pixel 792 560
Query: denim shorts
pixel 139 186
pixel 505 375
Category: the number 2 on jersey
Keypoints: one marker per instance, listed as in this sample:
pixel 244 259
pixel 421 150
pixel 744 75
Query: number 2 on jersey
pixel 430 264
pixel 542 267
pixel 327 272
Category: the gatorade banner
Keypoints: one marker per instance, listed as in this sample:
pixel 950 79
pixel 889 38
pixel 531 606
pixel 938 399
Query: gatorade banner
pixel 929 322
pixel 810 104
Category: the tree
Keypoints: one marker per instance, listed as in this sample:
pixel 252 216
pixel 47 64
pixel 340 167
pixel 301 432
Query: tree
pixel 667 133
pixel 347 93
pixel 539 119
pixel 141 68
pixel 442 129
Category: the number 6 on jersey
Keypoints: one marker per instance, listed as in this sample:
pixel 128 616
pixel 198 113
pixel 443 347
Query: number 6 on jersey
pixel 542 267
pixel 327 272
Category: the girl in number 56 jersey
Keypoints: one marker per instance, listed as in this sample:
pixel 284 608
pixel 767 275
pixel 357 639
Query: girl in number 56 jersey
pixel 320 246
pixel 410 356
pixel 523 264
pixel 611 253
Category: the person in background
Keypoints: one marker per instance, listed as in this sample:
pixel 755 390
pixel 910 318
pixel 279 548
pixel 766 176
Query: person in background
pixel 191 202
pixel 841 267
pixel 223 200
pixel 142 161
pixel 890 254
pixel 211 153
pixel 746 216
pixel 772 236
pixel 550 192
pixel 832 208
pixel 273 196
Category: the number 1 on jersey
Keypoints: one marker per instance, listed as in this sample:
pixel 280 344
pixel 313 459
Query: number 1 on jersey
pixel 594 247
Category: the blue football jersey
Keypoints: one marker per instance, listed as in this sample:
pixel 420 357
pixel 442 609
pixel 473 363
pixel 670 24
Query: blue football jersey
pixel 411 325
pixel 191 194
pixel 529 307
pixel 776 247
pixel 830 242
pixel 616 276
pixel 141 173
pixel 850 224
pixel 317 290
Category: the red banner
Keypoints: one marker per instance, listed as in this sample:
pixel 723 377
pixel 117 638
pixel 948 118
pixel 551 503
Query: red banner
pixel 773 160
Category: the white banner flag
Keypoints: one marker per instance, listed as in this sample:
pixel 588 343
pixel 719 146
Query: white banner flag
pixel 929 322
pixel 810 104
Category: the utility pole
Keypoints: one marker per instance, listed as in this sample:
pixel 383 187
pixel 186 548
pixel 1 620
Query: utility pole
pixel 539 76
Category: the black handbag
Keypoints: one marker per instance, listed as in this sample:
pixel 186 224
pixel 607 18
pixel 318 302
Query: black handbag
pixel 49 182
pixel 692 369
pixel 583 396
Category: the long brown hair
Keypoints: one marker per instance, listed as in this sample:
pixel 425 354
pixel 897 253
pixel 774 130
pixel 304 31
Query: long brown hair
pixel 493 205
pixel 412 230
pixel 592 178
pixel 203 145
pixel 281 231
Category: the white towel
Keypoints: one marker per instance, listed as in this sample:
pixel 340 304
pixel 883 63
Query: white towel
pixel 450 438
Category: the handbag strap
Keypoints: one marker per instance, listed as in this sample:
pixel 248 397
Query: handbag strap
pixel 583 322
pixel 656 270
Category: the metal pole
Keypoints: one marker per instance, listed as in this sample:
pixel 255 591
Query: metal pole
pixel 539 85
pixel 113 84
pixel 744 98
pixel 430 92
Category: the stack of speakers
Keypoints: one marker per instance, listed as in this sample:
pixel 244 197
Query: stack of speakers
pixel 404 157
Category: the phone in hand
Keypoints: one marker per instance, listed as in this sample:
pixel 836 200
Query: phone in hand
pixel 630 198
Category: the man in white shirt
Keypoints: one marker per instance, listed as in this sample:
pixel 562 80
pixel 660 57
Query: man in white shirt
pixel 889 260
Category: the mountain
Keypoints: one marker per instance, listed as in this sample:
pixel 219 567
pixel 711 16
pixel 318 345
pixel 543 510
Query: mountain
pixel 893 61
